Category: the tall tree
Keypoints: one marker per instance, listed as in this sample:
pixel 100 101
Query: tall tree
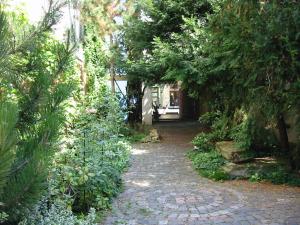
pixel 35 80
pixel 100 17
pixel 245 55
pixel 145 22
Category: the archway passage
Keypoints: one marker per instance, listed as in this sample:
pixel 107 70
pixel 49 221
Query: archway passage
pixel 168 102
pixel 161 187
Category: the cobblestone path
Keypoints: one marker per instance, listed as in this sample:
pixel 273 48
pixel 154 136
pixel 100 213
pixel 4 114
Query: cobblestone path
pixel 162 188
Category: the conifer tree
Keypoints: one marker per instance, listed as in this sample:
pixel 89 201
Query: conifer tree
pixel 35 75
pixel 146 21
pixel 100 21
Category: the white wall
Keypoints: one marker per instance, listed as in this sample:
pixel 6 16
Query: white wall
pixel 147 106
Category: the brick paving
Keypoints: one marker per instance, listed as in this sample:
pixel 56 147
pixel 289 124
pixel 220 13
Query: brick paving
pixel 161 188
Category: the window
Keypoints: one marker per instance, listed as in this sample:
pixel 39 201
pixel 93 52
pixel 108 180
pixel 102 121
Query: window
pixel 155 96
pixel 174 98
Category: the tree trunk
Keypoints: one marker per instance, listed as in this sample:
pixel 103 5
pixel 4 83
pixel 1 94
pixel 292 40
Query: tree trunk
pixel 112 66
pixel 83 77
pixel 112 77
pixel 134 101
pixel 284 140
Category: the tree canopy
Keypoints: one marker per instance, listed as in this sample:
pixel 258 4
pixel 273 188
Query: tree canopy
pixel 243 54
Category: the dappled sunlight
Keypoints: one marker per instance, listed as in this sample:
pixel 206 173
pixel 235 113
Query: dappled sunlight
pixel 266 160
pixel 135 151
pixel 149 112
pixel 146 102
pixel 143 183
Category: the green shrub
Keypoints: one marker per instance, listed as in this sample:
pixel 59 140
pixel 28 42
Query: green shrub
pixel 242 135
pixel 276 174
pixel 220 131
pixel 221 128
pixel 206 160
pixel 3 217
pixel 136 134
pixel 251 133
pixel 208 164
pixel 203 142
pixel 209 118
pixel 87 170
pixel 137 137
pixel 57 214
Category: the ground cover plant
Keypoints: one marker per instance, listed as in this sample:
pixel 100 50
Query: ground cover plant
pixel 210 163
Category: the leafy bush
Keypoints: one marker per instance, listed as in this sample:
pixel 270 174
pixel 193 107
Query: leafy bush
pixel 203 142
pixel 206 160
pixel 219 124
pixel 3 217
pixel 248 130
pixel 253 132
pixel 87 171
pixel 276 174
pixel 135 134
pixel 137 137
pixel 57 214
pixel 242 135
pixel 208 164
pixel 90 175
pixel 220 130
pixel 209 118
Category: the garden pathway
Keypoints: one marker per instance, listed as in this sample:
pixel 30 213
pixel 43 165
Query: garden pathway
pixel 162 188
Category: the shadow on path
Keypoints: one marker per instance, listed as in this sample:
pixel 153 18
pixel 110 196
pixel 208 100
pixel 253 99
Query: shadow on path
pixel 162 188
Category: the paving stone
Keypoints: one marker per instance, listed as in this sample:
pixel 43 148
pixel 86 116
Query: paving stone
pixel 161 187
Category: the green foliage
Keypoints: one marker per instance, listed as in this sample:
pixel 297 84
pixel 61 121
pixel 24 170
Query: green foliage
pixel 247 135
pixel 149 21
pixel 3 217
pixel 206 160
pixel 35 76
pixel 96 59
pixel 209 118
pixel 242 135
pixel 203 142
pixel 220 130
pixel 57 214
pixel 40 119
pixel 8 120
pixel 242 54
pixel 137 137
pixel 87 172
pixel 136 134
pixel 209 164
pixel 79 170
pixel 254 133
pixel 247 130
pixel 276 174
